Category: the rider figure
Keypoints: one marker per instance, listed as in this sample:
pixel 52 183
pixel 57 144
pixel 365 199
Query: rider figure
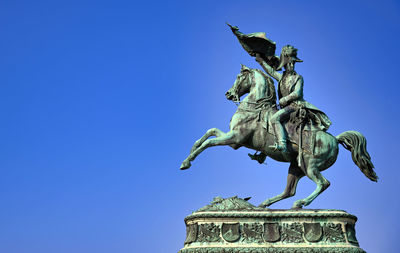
pixel 290 93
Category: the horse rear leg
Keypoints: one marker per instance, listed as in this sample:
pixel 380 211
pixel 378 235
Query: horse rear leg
pixel 294 175
pixel 225 139
pixel 210 132
pixel 322 184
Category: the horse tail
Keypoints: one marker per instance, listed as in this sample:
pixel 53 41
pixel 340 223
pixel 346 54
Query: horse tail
pixel 357 144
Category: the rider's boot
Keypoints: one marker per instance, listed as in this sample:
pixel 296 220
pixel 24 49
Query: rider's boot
pixel 280 138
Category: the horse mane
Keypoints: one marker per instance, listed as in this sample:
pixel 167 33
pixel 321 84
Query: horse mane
pixel 271 86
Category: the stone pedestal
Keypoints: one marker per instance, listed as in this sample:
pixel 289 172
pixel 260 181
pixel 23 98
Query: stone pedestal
pixel 233 225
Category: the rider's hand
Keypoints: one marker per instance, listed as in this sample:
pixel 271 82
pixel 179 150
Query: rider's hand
pixel 258 58
pixel 282 102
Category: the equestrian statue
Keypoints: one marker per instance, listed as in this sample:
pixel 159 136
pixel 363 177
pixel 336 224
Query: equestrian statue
pixel 293 131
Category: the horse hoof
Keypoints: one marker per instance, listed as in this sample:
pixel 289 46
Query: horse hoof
pixel 297 205
pixel 262 205
pixel 185 165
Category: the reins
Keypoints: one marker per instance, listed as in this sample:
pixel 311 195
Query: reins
pixel 261 103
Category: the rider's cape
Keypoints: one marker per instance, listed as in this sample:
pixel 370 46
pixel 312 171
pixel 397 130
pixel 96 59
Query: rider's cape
pixel 315 119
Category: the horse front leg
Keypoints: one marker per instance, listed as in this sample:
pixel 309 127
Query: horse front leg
pixel 224 139
pixel 210 132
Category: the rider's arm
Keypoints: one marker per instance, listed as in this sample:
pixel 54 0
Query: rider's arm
pixel 276 75
pixel 296 94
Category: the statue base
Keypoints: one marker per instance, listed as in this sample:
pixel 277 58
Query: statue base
pixel 233 225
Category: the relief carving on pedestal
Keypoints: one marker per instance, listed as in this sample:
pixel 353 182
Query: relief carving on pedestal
pixel 333 233
pixel 351 233
pixel 209 233
pixel 272 232
pixel 252 232
pixel 292 233
pixel 312 232
pixel 191 233
pixel 231 232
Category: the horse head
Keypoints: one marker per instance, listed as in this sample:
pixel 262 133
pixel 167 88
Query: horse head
pixel 241 85
pixel 247 80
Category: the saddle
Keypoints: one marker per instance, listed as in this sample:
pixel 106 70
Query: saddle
pixel 301 129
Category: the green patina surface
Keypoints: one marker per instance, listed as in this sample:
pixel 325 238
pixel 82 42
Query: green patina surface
pixel 276 122
pixel 274 250
pixel 279 123
pixel 235 225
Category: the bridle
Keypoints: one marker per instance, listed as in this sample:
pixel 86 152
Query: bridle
pixel 237 89
pixel 252 80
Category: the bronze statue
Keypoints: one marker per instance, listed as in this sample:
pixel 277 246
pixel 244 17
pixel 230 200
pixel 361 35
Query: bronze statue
pixel 290 94
pixel 295 133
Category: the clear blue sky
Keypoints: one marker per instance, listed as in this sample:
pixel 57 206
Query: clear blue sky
pixel 101 101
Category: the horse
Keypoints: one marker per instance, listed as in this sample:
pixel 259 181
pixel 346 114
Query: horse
pixel 248 128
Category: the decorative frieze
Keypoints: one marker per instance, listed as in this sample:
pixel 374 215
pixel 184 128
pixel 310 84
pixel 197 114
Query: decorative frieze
pixel 236 227
pixel 256 232
pixel 333 233
pixel 209 233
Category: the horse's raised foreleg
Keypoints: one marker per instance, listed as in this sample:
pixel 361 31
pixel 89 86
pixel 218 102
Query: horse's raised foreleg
pixel 293 178
pixel 225 139
pixel 322 184
pixel 210 132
